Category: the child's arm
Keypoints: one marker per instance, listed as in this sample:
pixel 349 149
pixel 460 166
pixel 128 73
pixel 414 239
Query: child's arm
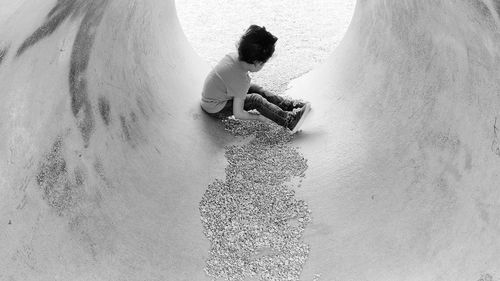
pixel 240 113
pixel 254 88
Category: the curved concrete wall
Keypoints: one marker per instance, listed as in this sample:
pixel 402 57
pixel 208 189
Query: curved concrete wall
pixel 403 152
pixel 105 153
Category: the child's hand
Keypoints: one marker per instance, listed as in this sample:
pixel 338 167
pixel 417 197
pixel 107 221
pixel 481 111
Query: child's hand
pixel 267 93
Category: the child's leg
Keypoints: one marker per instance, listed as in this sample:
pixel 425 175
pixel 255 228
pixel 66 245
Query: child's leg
pixel 281 102
pixel 268 109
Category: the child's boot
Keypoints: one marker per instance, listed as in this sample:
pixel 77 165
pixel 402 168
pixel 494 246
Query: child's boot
pixel 299 104
pixel 298 118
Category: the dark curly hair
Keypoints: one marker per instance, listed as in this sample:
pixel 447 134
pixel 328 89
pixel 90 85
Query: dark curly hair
pixel 256 45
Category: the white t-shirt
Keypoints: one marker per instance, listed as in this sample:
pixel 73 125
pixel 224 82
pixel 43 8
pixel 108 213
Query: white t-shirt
pixel 225 81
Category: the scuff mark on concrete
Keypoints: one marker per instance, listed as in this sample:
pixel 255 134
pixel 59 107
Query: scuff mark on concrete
pixel 99 168
pixel 483 8
pixel 144 103
pixel 80 176
pixel 125 131
pixel 26 255
pixel 486 277
pixel 131 129
pixel 64 190
pixel 93 12
pixel 62 10
pixel 3 53
pixel 104 110
pixel 133 117
pixel 495 144
pixel 496 4
pixel 94 230
pixel 80 56
pixel 491 8
pixel 141 106
pixel 23 203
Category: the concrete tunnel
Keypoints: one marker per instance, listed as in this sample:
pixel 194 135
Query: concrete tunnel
pixel 105 153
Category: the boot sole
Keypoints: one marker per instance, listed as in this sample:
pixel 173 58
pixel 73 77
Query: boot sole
pixel 302 118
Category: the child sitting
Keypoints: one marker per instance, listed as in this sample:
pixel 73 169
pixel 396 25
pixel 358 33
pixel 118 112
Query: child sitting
pixel 228 89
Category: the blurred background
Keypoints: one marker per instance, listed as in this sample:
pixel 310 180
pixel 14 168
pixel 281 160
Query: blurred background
pixel 307 31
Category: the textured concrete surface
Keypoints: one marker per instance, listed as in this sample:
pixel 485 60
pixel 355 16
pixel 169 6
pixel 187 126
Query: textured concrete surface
pixel 105 154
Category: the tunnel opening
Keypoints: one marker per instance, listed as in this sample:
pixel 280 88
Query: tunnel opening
pixel 307 31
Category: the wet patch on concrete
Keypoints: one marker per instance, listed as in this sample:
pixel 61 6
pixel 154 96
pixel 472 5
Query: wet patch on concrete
pixel 252 218
pixel 104 110
pixel 54 180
